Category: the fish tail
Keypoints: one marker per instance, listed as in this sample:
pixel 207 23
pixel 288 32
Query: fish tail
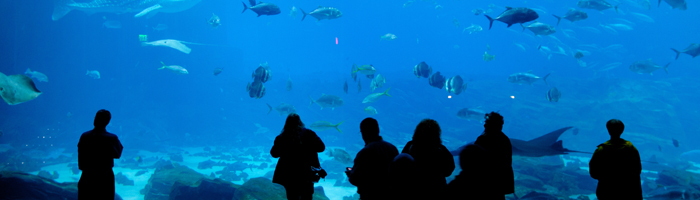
pixel 270 107
pixel 666 67
pixel 678 53
pixel 387 92
pixel 88 72
pixel 490 21
pixel 336 127
pixel 521 25
pixel 302 12
pixel 28 71
pixel 558 19
pixel 60 9
pixel 245 7
pixel 312 101
pixel 545 78
pixel 617 8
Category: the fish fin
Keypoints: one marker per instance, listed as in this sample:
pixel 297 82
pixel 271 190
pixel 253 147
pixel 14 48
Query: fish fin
pixel 302 12
pixel 269 107
pixel 259 15
pixel 558 19
pixel 28 71
pixel 245 7
pixel 509 25
pixel 678 53
pixel 521 25
pixel 24 81
pixel 336 127
pixel 88 72
pixel 539 47
pixel 666 68
pixel 60 9
pixel 617 8
pixel 545 78
pixel 312 102
pixel 148 10
pixel 490 21
pixel 508 7
pixel 387 92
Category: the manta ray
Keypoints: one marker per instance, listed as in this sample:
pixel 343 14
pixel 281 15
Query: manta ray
pixel 147 8
pixel 546 145
pixel 16 89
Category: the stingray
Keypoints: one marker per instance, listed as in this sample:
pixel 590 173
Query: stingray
pixel 546 145
pixel 16 89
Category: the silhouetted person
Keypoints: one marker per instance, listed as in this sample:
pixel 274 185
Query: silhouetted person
pixel 97 150
pixel 297 149
pixel 403 171
pixel 500 155
pixel 433 161
pixel 473 182
pixel 371 170
pixel 617 166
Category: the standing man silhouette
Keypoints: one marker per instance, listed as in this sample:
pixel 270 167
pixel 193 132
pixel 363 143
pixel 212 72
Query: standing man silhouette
pixel 97 150
pixel 617 166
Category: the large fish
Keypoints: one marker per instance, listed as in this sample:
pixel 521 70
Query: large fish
pixel 598 5
pixel 455 85
pixel 422 70
pixel 262 8
pixel 143 7
pixel 526 77
pixel 324 125
pixel 436 80
pixel 647 67
pixel 16 89
pixel 174 68
pixel 375 96
pixel 573 15
pixel 323 13
pixel 539 28
pixel 692 50
pixel 256 89
pixel 514 16
pixel 328 101
pixel 471 114
pixel 680 4
pixel 283 109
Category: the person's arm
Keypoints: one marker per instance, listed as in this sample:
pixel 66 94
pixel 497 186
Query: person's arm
pixel 355 175
pixel 278 148
pixel 80 166
pixel 593 165
pixel 407 147
pixel 117 148
pixel 637 159
pixel 315 142
pixel 447 161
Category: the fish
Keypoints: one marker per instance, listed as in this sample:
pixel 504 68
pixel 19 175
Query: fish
pixel 353 73
pixel 218 71
pixel 174 68
pixel 345 87
pixel 324 125
pixel 175 44
pixel 642 17
pixel 526 77
pixel 388 36
pixel 692 50
pixel 546 145
pixel 621 27
pixel 147 8
pixel 436 80
pixel 471 114
pixel 514 16
pixel 37 75
pixel 341 156
pixel 675 142
pixel 488 57
pixel 262 9
pixel 160 27
pixel 377 82
pixel 680 4
pixel 93 74
pixel 422 69
pixel 328 101
pixel 371 110
pixel 321 12
pixel 455 22
pixel 289 84
pixel 112 24
pixel 214 21
pixel 478 11
pixel 262 73
pixel 572 15
pixel 598 5
pixel 647 67
pixel 293 12
pixel 256 89
pixel 359 86
pixel 473 29
pixel 375 96
pixel 611 66
pixel 553 95
pixel 18 88
pixel 539 28
pixel 455 85
pixel 283 109
pixel 368 70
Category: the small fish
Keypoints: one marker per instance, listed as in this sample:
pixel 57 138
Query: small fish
pixel 112 24
pixel 218 71
pixel 289 84
pixel 214 21
pixel 37 75
pixel 471 114
pixel 375 96
pixel 598 5
pixel 353 73
pixel 262 73
pixel 324 125
pixel 514 16
pixel 293 12
pixel 371 110
pixel 647 67
pixel 436 80
pixel 455 85
pixel 174 68
pixel 488 57
pixel 93 74
pixel 675 142
pixel 422 70
pixel 573 15
pixel 328 101
pixel 139 160
pixel 539 28
pixel 377 82
pixel 553 95
pixel 256 89
pixel 359 86
pixel 478 11
pixel 262 8
pixel 388 36
pixel 473 29
pixel 340 156
pixel 321 12
pixel 526 77
pixel 578 55
pixel 368 70
pixel 692 50
pixel 345 87
pixel 284 109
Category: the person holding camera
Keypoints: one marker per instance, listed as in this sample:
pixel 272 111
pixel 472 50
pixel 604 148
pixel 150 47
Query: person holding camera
pixel 370 172
pixel 298 167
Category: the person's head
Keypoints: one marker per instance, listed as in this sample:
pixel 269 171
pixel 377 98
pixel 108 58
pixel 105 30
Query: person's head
pixel 427 131
pixel 293 123
pixel 102 118
pixel 493 121
pixel 369 128
pixel 472 157
pixel 615 128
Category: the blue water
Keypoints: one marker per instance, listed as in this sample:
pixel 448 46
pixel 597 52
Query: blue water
pixel 151 106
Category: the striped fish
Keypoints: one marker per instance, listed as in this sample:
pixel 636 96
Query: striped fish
pixel 553 95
